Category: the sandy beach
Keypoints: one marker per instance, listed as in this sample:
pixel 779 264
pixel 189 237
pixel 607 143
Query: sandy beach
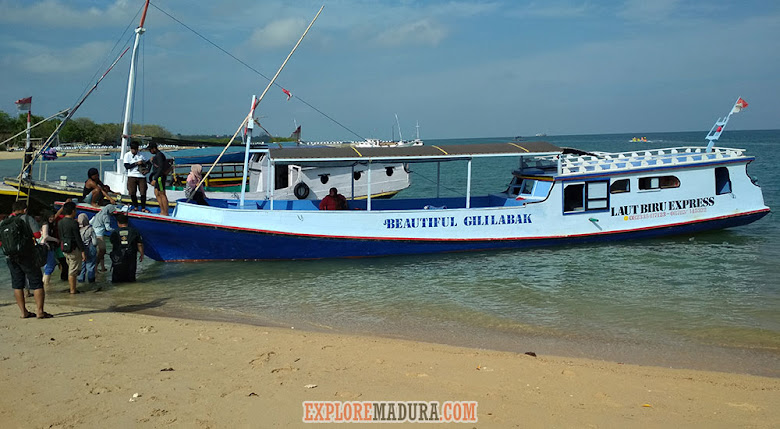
pixel 82 368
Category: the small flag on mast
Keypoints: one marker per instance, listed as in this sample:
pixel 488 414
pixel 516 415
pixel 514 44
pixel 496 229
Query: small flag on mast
pixel 739 105
pixel 24 103
pixel 289 94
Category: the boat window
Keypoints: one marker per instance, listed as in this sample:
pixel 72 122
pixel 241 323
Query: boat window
pixel 722 181
pixel 542 188
pixel 324 178
pixel 620 186
pixel 658 182
pixel 597 197
pixel 527 188
pixel 356 175
pixel 389 171
pixel 281 176
pixel 669 182
pixel 588 196
pixel 573 197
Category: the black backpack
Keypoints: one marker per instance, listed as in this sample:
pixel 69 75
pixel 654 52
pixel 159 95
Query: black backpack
pixel 13 237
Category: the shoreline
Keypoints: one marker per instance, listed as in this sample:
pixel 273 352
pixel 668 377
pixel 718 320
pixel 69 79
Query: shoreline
pixel 730 359
pixel 215 374
pixel 5 155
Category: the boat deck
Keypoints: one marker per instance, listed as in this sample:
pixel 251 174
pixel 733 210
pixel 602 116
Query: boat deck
pixel 483 201
pixel 612 162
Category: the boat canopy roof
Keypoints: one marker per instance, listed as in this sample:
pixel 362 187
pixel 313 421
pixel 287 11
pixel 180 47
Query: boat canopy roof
pixel 414 153
pixel 228 158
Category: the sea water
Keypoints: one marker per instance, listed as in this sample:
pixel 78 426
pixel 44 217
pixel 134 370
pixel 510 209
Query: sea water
pixel 706 301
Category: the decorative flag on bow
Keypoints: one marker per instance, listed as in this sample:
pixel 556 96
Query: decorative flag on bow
pixel 741 104
pixel 289 95
pixel 24 103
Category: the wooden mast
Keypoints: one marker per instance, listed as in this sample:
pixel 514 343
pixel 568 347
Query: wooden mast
pixel 131 92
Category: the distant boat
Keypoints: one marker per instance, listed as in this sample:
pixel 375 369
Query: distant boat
pixel 50 154
pixel 368 142
pixel 541 134
pixel 640 140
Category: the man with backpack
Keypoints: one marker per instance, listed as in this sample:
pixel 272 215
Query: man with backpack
pixel 36 230
pixel 72 245
pixel 18 244
pixel 126 244
pixel 158 176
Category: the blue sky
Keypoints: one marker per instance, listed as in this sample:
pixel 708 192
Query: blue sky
pixel 460 68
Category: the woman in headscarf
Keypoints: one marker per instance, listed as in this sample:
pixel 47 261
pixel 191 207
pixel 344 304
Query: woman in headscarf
pixel 193 191
pixel 90 241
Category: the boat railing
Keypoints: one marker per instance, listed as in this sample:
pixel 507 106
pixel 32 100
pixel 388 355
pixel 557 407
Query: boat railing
pixel 609 162
pixel 229 171
pixel 43 166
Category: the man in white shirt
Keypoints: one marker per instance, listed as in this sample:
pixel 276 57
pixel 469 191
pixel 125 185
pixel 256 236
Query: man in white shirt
pixel 136 179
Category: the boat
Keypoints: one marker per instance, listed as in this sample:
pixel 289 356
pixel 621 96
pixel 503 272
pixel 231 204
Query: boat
pixel 8 195
pixel 366 142
pixel 640 140
pixel 541 134
pixel 556 196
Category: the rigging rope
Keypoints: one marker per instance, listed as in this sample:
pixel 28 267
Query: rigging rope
pixel 434 182
pixel 110 55
pixel 256 71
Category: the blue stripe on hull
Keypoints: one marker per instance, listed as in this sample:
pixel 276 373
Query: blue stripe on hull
pixel 177 241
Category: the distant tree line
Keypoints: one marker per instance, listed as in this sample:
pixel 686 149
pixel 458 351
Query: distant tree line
pixel 85 130
pixel 82 130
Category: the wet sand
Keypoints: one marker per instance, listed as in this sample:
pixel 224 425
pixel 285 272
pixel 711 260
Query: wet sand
pixel 83 367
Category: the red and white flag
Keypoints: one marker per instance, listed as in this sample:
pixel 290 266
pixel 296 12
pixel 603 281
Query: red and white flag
pixel 289 94
pixel 24 103
pixel 740 104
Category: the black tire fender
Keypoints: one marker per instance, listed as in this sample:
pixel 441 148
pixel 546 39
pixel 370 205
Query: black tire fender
pixel 301 191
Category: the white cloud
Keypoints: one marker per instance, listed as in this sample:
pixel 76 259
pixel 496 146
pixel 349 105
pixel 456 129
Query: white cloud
pixel 47 61
pixel 422 32
pixel 54 13
pixel 284 32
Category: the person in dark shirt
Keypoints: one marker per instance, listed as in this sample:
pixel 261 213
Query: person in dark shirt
pixel 126 243
pixel 72 245
pixel 333 201
pixel 157 177
pixel 24 268
pixel 95 190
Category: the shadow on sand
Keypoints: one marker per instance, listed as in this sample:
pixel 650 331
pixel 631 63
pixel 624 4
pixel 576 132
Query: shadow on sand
pixel 128 308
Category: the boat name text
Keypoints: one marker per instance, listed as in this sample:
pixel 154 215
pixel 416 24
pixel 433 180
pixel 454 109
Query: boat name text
pixel 448 221
pixel 663 206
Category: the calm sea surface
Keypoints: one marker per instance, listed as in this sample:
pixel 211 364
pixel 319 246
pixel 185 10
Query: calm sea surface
pixel 709 301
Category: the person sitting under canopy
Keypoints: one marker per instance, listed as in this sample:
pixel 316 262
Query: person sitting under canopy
pixel 333 201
